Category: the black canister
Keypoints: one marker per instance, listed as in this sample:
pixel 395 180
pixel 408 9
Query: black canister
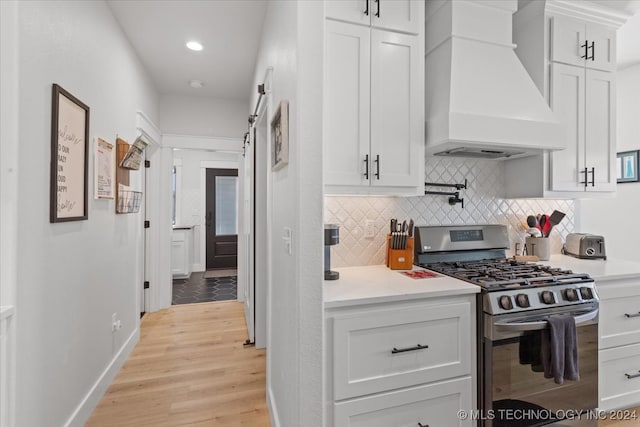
pixel 331 237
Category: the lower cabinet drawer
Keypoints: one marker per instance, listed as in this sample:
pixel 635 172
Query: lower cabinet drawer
pixel 619 377
pixel 382 350
pixel 620 321
pixel 435 405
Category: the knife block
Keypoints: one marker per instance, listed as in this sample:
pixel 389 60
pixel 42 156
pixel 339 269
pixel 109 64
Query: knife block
pixel 399 259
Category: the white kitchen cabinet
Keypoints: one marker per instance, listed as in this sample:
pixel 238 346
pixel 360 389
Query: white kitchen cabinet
pixel 580 91
pixel 181 253
pixel 401 363
pixel 619 344
pixel 374 111
pixel 394 15
pixel 584 44
pixel 429 405
pixel 584 100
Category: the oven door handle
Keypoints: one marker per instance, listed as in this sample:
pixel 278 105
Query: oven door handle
pixel 535 326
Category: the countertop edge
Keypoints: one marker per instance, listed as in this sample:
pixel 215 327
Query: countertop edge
pixel 399 297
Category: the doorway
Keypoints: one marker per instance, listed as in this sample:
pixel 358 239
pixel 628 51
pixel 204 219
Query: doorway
pixel 222 219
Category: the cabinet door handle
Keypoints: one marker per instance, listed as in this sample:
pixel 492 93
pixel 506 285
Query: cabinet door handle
pixel 403 350
pixel 585 46
pixel 377 166
pixel 631 376
pixel 378 10
pixel 593 177
pixel 593 51
pixel 366 7
pixel 422 425
pixel 366 166
pixel 629 316
pixel 585 182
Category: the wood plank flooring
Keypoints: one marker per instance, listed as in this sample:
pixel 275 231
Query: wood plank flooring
pixel 189 368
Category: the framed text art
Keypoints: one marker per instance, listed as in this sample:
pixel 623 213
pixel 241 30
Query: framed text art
pixel 69 157
pixel 280 137
pixel 627 166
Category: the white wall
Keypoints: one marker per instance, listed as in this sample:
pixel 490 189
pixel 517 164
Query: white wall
pixel 203 116
pixel 73 276
pixel 616 219
pixel 292 45
pixel 190 194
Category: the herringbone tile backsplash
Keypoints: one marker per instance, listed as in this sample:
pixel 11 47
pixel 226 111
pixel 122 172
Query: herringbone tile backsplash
pixel 483 204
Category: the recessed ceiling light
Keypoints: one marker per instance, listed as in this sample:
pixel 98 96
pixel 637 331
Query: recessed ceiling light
pixel 194 45
pixel 196 83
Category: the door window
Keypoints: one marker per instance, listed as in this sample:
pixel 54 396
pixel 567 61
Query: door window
pixel 226 205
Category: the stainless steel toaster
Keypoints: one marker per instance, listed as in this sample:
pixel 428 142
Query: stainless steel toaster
pixel 583 245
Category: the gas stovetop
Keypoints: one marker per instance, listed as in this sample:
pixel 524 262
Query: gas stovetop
pixel 500 274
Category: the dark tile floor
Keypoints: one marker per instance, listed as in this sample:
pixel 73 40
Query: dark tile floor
pixel 199 289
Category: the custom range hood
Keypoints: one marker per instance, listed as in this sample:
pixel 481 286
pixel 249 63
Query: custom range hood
pixel 481 101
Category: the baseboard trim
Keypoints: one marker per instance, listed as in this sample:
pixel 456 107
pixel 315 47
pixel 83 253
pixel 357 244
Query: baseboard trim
pixel 273 410
pixel 82 413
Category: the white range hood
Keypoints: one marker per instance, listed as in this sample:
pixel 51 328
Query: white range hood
pixel 481 101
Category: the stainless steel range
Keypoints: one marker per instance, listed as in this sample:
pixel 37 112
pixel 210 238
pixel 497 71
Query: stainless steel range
pixel 514 305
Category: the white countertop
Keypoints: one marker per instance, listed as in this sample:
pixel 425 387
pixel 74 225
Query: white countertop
pixel 599 269
pixel 377 283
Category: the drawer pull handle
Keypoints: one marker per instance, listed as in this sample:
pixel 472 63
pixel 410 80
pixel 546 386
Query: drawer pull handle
pixel 423 425
pixel 631 376
pixel 402 350
pixel 627 315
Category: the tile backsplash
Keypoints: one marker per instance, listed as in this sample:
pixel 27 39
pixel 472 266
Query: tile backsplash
pixel 483 204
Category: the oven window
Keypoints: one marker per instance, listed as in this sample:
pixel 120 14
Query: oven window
pixel 523 397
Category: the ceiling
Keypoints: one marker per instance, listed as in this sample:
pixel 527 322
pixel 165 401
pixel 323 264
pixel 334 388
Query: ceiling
pixel 229 31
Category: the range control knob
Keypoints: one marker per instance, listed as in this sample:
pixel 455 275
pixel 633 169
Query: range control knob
pixel 505 302
pixel 586 293
pixel 571 294
pixel 522 300
pixel 547 297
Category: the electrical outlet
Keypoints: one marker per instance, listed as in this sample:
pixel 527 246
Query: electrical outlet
pixel 369 229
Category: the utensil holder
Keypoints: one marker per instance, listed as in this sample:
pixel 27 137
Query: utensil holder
pixel 538 246
pixel 399 259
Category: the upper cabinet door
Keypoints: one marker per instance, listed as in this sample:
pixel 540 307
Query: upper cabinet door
pixel 568 101
pixel 602 51
pixel 600 130
pixel 397 15
pixel 397 118
pixel 347 104
pixel 356 11
pixel 568 38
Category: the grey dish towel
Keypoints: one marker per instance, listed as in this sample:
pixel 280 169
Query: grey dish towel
pixel 559 349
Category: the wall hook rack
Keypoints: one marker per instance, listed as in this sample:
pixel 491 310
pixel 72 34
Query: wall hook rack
pixel 454 198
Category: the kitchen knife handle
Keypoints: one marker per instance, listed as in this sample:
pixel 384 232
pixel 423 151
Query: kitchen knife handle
pixel 593 176
pixel 377 166
pixel 366 10
pixel 631 376
pixel 366 166
pixel 403 350
pixel 378 11
pixel 629 316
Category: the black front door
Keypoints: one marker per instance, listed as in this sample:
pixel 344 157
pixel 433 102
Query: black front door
pixel 222 218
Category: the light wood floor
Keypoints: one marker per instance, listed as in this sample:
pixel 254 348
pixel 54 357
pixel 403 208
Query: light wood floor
pixel 189 368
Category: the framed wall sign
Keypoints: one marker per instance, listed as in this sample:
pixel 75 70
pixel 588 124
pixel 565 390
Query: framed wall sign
pixel 627 165
pixel 69 157
pixel 280 137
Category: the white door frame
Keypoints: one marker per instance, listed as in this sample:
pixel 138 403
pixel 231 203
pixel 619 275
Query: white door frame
pixel 160 199
pixel 156 268
pixel 9 143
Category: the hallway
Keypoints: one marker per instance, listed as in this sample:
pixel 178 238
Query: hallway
pixel 189 368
